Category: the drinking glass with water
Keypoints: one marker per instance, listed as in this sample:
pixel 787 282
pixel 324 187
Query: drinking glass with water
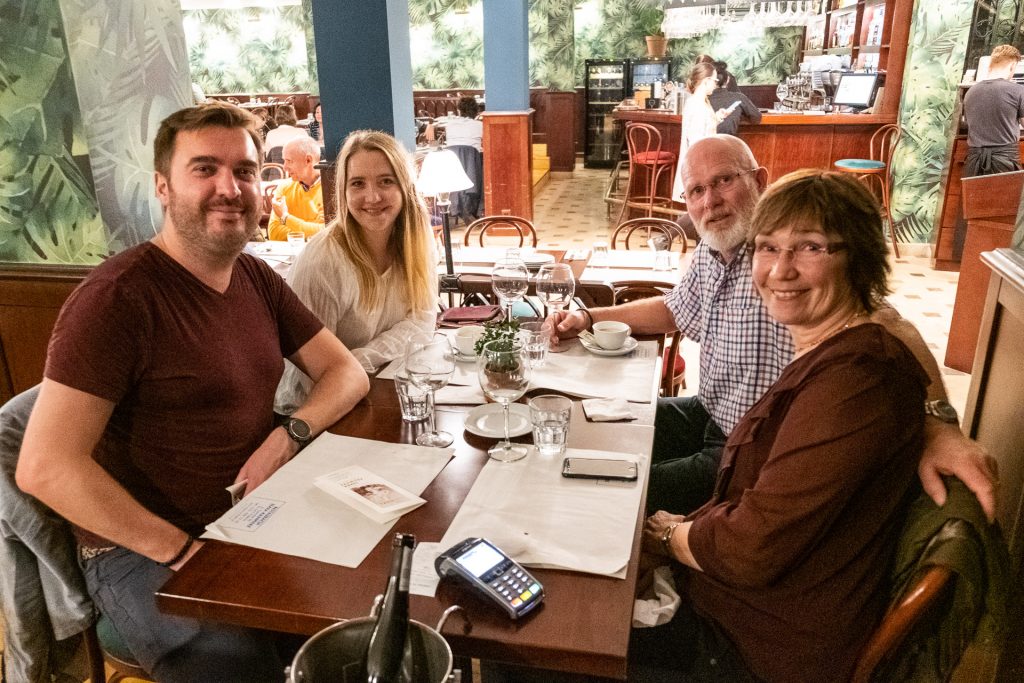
pixel 550 416
pixel 535 337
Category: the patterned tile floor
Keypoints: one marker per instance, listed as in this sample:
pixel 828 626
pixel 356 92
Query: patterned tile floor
pixel 570 212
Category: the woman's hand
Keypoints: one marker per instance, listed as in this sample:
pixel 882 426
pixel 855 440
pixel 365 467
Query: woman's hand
pixel 654 530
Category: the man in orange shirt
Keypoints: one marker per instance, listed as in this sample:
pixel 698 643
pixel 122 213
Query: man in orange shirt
pixel 298 204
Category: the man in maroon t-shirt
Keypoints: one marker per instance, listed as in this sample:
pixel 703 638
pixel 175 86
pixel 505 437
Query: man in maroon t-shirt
pixel 158 393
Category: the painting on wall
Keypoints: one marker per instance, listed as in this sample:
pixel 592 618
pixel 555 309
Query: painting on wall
pixel 48 209
pixel 935 59
pixel 251 49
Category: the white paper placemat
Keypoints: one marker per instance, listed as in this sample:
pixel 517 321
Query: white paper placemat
pixel 541 519
pixel 288 514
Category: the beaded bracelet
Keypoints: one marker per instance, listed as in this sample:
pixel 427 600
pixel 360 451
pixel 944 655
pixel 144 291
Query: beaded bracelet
pixel 180 554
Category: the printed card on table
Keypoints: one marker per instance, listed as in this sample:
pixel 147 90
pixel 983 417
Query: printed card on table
pixel 370 494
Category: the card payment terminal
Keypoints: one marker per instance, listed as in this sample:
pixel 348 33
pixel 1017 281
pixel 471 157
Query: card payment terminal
pixel 493 574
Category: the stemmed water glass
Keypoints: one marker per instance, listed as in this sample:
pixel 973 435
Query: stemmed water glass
pixel 504 373
pixel 430 362
pixel 555 286
pixel 509 280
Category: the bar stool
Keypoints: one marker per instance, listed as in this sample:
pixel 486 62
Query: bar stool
pixel 879 167
pixel 647 160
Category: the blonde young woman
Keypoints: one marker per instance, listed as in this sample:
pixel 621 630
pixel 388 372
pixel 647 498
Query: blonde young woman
pixel 700 120
pixel 370 276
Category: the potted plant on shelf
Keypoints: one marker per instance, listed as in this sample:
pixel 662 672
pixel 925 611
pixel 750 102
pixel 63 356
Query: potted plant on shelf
pixel 656 45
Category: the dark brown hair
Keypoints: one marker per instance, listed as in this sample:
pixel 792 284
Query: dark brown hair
pixel 468 107
pixel 285 115
pixel 207 115
pixel 845 211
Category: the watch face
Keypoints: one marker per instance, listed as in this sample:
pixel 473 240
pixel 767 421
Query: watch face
pixel 299 429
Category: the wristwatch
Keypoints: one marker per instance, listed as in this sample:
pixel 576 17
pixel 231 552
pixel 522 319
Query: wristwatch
pixel 941 410
pixel 298 430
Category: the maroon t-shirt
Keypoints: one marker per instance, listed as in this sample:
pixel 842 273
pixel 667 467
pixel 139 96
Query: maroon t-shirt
pixel 192 373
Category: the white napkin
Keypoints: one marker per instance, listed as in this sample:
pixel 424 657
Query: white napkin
pixel 607 409
pixel 456 395
pixel 658 604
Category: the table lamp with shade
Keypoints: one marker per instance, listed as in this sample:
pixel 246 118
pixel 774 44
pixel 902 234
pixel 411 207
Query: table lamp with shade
pixel 440 175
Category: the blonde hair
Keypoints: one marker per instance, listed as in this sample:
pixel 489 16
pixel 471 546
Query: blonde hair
pixel 698 73
pixel 411 239
pixel 1003 55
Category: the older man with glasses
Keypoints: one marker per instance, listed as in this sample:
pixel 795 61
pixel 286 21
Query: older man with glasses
pixel 743 350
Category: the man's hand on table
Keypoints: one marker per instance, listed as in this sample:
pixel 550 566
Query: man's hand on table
pixel 277 449
pixel 566 325
pixel 948 452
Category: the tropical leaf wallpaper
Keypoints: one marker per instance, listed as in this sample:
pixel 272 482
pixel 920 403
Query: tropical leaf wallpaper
pixel 935 60
pixel 130 69
pixel 252 49
pixel 48 209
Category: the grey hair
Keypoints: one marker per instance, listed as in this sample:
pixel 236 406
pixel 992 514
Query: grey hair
pixel 306 145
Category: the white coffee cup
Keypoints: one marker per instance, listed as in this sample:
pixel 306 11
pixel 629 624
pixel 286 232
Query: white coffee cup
pixel 610 334
pixel 466 338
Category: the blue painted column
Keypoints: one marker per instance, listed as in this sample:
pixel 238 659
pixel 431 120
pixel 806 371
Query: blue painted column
pixel 364 68
pixel 506 55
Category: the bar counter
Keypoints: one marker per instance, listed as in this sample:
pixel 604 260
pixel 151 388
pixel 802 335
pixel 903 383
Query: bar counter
pixel 783 142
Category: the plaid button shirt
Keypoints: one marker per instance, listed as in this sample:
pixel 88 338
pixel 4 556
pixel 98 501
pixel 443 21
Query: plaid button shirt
pixel 742 349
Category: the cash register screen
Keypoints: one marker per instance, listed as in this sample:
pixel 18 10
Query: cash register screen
pixel 856 90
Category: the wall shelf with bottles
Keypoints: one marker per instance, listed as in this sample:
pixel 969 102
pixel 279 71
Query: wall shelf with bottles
pixel 873 33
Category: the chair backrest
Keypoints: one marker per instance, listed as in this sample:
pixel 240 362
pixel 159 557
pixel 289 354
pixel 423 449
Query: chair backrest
pixel 634 290
pixel 917 602
pixel 501 226
pixel 642 138
pixel 636 231
pixel 275 155
pixel 883 144
pixel 272 171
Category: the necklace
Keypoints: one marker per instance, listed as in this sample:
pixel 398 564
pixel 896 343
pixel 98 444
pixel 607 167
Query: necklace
pixel 832 333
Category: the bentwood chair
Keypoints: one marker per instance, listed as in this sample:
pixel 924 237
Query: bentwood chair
pixel 501 226
pixel 879 167
pixel 648 162
pixel 272 171
pixel 636 232
pixel 673 374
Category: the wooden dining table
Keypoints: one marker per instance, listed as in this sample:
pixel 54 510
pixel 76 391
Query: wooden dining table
pixel 582 626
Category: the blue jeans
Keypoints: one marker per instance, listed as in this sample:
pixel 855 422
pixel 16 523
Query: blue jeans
pixel 123 586
pixel 685 457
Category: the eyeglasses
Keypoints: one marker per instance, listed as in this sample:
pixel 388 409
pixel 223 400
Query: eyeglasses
pixel 720 184
pixel 803 253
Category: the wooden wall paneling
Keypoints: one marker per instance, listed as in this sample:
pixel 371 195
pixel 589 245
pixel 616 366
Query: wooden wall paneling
pixel 30 299
pixel 560 117
pixel 801 147
pixel 508 163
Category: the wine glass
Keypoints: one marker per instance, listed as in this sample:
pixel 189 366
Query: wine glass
pixel 509 281
pixel 504 373
pixel 555 285
pixel 430 362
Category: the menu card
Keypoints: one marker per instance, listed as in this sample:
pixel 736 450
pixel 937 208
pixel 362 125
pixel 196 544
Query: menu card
pixel 368 493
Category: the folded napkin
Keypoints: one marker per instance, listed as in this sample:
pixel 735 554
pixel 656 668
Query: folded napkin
pixel 460 395
pixel 607 409
pixel 659 603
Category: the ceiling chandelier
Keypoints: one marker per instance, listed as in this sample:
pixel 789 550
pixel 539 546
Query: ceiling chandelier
pixel 688 18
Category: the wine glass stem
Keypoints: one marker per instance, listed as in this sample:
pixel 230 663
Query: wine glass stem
pixel 505 413
pixel 430 414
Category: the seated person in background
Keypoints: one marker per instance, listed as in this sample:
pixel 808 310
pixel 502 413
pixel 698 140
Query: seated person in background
pixel 147 411
pixel 789 560
pixel 287 128
pixel 742 349
pixel 316 126
pixel 371 276
pixel 722 98
pixel 265 123
pixel 298 204
pixel 465 129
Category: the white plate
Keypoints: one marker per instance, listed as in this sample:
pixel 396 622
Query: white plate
pixel 538 259
pixel 486 420
pixel 627 347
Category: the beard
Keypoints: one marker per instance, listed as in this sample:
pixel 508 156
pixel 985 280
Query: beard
pixel 200 232
pixel 726 237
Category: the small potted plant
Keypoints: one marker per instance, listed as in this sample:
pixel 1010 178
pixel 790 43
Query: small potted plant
pixel 656 45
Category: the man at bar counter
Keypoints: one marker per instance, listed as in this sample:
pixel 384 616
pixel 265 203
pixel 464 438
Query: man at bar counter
pixel 298 204
pixel 994 109
pixel 158 393
pixel 743 351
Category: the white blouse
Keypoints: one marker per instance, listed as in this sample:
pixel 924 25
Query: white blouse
pixel 325 280
pixel 699 121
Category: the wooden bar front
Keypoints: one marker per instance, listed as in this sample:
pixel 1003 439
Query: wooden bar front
pixel 784 142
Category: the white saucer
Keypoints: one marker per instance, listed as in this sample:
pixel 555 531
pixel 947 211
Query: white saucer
pixel 463 358
pixel 486 420
pixel 628 347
